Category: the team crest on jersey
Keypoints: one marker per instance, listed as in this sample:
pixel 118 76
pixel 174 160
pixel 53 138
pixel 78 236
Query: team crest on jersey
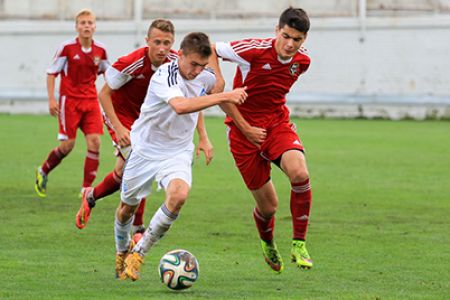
pixel 97 60
pixel 294 69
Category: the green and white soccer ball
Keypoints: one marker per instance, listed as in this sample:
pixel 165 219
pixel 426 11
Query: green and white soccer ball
pixel 178 269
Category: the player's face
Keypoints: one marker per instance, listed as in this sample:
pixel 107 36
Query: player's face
pixel 288 41
pixel 85 26
pixel 191 64
pixel 159 45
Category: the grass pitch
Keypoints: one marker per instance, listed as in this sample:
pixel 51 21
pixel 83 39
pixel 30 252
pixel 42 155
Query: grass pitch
pixel 379 226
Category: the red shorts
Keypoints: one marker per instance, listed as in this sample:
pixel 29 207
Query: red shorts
pixel 78 113
pixel 254 163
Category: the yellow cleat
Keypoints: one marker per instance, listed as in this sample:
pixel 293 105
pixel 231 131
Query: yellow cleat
pixel 272 256
pixel 120 262
pixel 40 185
pixel 300 255
pixel 133 264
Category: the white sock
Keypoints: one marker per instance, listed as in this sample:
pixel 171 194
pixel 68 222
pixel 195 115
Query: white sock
pixel 122 235
pixel 159 225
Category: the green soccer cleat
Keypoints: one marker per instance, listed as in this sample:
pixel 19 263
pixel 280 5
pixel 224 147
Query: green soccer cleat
pixel 272 256
pixel 300 255
pixel 41 183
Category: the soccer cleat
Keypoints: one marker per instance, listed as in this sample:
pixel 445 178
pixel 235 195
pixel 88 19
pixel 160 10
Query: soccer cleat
pixel 272 256
pixel 120 262
pixel 133 263
pixel 300 255
pixel 41 183
pixel 84 212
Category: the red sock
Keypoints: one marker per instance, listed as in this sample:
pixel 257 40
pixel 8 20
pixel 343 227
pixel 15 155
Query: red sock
pixel 139 215
pixel 110 184
pixel 90 167
pixel 265 226
pixel 301 197
pixel 53 159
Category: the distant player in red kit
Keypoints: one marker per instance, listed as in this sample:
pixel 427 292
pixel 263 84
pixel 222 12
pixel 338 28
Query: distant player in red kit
pixel 126 86
pixel 79 61
pixel 260 131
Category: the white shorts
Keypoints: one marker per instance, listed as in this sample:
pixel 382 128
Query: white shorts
pixel 139 174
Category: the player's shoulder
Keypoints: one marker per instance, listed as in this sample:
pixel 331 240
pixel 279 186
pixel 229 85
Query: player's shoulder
pixel 252 44
pixel 303 55
pixel 68 43
pixel 132 61
pixel 167 73
pixel 207 75
pixel 173 55
pixel 99 44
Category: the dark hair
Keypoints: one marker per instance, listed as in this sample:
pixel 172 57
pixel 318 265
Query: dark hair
pixel 196 42
pixel 295 18
pixel 163 25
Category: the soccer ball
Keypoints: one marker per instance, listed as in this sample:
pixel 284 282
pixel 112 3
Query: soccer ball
pixel 178 269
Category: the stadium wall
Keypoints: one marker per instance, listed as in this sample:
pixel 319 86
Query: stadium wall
pixel 386 67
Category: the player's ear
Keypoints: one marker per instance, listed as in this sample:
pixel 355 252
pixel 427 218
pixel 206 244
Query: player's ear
pixel 277 29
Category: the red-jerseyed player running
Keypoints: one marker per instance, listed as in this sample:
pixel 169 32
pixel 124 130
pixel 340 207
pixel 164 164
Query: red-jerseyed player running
pixel 260 131
pixel 79 61
pixel 126 85
pixel 121 97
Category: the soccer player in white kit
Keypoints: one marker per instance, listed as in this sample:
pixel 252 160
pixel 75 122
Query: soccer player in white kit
pixel 162 147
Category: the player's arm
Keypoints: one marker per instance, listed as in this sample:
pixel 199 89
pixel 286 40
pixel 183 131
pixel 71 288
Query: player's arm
pixel 183 105
pixel 255 135
pixel 122 133
pixel 213 63
pixel 53 107
pixel 203 141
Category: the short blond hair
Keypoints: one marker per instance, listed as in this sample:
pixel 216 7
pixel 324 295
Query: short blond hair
pixel 163 25
pixel 84 12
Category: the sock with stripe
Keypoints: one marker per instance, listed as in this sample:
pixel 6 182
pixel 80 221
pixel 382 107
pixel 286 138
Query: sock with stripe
pixel 264 225
pixel 54 158
pixel 301 198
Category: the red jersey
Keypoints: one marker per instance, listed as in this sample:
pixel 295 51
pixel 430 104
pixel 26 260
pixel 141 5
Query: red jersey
pixel 129 77
pixel 268 78
pixel 79 68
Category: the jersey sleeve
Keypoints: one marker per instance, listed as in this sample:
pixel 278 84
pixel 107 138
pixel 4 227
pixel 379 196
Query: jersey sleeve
pixel 123 70
pixel 104 63
pixel 230 52
pixel 115 78
pixel 59 61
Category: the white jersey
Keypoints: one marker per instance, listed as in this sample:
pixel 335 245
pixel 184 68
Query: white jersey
pixel 159 132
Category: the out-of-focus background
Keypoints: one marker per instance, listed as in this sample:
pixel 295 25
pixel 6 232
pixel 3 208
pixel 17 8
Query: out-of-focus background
pixel 370 58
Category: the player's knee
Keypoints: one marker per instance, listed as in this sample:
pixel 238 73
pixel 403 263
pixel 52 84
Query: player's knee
pixel 125 212
pixel 178 198
pixel 67 146
pixel 269 210
pixel 299 175
pixel 93 143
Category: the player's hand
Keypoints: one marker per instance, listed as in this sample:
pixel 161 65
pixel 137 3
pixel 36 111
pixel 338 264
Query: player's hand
pixel 123 136
pixel 53 107
pixel 256 135
pixel 205 145
pixel 237 96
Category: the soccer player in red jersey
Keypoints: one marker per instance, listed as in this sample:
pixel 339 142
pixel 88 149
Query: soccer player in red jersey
pixel 79 61
pixel 260 131
pixel 126 86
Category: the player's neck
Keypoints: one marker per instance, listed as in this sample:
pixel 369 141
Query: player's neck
pixel 85 42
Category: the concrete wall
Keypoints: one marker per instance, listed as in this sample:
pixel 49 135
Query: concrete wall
pixel 389 60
